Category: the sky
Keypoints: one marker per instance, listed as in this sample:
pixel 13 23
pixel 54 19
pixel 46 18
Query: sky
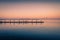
pixel 30 9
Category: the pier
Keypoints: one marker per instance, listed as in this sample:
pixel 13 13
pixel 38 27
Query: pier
pixel 21 21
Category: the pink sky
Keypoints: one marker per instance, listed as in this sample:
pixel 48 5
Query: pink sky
pixel 30 10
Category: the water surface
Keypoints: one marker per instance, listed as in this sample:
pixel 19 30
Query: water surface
pixel 50 29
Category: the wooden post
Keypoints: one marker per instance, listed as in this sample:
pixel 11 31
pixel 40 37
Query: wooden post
pixel 19 20
pixel 10 20
pixel 14 20
pixel 22 20
pixel 36 20
pixel 4 21
pixel 32 21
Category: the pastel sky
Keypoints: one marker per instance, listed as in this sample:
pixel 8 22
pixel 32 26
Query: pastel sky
pixel 30 9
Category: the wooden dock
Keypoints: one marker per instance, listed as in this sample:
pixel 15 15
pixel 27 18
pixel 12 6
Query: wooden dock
pixel 21 21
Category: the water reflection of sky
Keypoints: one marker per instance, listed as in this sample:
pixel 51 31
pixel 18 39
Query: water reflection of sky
pixel 49 29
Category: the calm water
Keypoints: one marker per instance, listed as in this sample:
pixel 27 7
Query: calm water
pixel 48 30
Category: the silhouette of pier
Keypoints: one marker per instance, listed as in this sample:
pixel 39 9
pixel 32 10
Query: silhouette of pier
pixel 21 21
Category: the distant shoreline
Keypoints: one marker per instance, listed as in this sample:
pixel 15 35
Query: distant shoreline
pixel 29 18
